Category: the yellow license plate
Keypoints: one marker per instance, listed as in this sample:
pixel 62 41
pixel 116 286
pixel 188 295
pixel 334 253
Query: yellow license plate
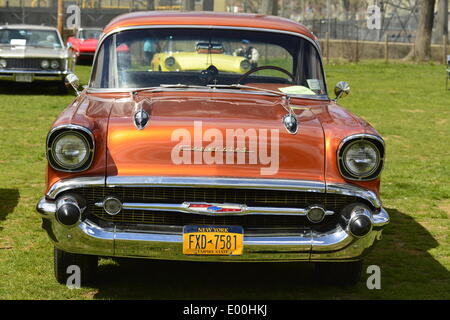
pixel 213 240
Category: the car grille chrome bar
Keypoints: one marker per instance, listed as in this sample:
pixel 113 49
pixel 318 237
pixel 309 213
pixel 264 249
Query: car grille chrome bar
pixel 138 184
pixel 269 184
pixel 246 210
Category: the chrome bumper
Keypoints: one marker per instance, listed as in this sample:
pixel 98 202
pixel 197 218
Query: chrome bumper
pixel 36 75
pixel 88 238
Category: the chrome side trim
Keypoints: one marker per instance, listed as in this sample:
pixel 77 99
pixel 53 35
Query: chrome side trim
pixel 352 190
pixel 183 207
pixel 72 183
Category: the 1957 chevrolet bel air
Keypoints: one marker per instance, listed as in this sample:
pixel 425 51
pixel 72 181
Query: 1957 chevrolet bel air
pixel 214 164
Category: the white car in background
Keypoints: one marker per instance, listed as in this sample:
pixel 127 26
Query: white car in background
pixel 30 53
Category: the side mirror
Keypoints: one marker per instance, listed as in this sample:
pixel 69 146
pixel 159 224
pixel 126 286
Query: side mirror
pixel 69 45
pixel 341 89
pixel 72 80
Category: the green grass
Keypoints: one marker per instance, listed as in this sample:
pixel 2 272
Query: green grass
pixel 406 103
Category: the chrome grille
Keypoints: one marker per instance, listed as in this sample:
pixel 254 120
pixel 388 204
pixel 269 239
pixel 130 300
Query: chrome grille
pixel 29 63
pixel 164 218
pixel 249 197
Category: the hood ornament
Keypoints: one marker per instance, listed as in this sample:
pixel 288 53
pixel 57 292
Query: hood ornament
pixel 141 117
pixel 290 120
pixel 290 123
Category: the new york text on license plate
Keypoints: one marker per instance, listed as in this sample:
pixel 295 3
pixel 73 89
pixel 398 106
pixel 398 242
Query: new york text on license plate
pixel 213 240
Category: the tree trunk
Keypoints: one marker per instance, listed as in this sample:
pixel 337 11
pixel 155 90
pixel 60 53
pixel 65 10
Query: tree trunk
pixel 270 7
pixel 150 4
pixel 422 50
pixel 442 20
pixel 188 5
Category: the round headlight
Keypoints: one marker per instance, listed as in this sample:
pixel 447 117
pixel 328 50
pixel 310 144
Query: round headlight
pixel 45 64
pixel 70 150
pixel 245 64
pixel 54 64
pixel 170 61
pixel 361 159
pixel 3 63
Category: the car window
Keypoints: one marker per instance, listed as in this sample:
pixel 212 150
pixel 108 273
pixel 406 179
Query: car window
pixel 152 57
pixel 30 37
pixel 89 34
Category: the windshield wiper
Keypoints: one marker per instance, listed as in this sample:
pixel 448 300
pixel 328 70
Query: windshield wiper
pixel 210 86
pixel 241 86
pixel 167 86
pixel 180 85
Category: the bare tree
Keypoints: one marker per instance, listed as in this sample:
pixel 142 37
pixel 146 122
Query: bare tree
pixel 188 5
pixel 422 45
pixel 442 20
pixel 270 7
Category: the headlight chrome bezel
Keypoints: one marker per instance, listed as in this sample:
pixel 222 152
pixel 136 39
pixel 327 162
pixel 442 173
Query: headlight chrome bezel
pixel 169 62
pixel 85 134
pixel 45 64
pixel 375 141
pixel 55 64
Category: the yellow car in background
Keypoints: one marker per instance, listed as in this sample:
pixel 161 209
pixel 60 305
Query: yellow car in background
pixel 205 54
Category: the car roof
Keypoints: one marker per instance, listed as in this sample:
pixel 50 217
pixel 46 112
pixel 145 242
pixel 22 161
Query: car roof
pixel 244 20
pixel 90 28
pixel 27 26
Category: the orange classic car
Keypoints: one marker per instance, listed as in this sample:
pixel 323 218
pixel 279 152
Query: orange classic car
pixel 212 162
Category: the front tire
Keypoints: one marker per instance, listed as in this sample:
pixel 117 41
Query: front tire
pixel 88 265
pixel 338 273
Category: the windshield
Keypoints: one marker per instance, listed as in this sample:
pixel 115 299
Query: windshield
pixel 30 37
pixel 89 34
pixel 156 57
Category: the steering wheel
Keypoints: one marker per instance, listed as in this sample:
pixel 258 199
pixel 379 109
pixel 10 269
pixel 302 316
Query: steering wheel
pixel 245 75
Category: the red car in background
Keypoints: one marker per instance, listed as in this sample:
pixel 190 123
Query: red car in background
pixel 85 42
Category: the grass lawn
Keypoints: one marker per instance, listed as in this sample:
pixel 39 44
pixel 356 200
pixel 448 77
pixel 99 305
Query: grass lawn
pixel 406 103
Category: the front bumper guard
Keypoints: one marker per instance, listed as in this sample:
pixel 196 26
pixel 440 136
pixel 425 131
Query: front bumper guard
pixel 36 75
pixel 309 245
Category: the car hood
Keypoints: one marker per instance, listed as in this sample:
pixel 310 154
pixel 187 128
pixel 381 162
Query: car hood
pixel 88 44
pixel 211 136
pixel 31 52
